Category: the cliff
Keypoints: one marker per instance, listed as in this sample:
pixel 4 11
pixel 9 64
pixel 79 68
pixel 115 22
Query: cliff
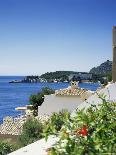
pixel 104 68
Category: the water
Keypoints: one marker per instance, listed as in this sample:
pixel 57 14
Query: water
pixel 13 95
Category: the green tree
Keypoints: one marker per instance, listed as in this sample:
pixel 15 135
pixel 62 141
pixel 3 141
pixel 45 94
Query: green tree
pixel 109 76
pixel 37 99
pixel 47 91
pixel 32 131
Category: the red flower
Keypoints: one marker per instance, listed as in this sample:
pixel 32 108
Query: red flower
pixel 83 131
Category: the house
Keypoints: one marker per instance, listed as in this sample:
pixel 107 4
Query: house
pixel 80 76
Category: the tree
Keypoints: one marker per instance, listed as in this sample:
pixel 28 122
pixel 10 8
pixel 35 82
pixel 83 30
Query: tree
pixel 109 76
pixel 32 131
pixel 37 99
pixel 47 91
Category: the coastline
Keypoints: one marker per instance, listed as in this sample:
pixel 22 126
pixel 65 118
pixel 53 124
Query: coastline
pixel 13 96
pixel 56 99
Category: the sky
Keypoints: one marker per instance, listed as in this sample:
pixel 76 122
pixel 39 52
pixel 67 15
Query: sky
pixel 38 36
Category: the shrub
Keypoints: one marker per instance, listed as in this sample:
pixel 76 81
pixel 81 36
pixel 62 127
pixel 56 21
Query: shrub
pixel 47 91
pixel 55 123
pixel 5 148
pixel 90 132
pixel 32 131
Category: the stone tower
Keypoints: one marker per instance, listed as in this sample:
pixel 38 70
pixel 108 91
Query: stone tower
pixel 114 55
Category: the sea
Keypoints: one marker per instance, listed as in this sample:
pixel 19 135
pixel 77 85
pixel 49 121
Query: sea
pixel 13 95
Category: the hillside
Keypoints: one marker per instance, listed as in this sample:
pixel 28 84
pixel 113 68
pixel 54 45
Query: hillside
pixel 58 75
pixel 98 72
pixel 104 68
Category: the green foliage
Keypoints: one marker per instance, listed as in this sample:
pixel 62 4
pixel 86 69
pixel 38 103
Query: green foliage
pixel 47 91
pixel 37 99
pixel 55 123
pixel 59 75
pixel 32 131
pixel 90 132
pixel 109 76
pixel 103 78
pixel 6 148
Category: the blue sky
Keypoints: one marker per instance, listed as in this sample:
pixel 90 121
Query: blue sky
pixel 37 36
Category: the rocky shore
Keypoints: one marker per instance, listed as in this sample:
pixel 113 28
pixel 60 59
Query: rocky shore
pixel 14 126
pixel 29 79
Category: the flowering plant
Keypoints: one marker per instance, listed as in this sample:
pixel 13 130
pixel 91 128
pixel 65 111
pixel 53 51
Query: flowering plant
pixel 90 132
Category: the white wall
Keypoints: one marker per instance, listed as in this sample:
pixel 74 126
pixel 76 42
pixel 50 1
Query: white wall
pixel 54 103
pixel 109 91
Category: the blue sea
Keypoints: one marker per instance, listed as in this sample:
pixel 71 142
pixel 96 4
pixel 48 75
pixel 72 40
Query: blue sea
pixel 13 95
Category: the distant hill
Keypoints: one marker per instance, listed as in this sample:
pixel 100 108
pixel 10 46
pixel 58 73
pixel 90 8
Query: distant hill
pixel 104 68
pixel 58 75
pixel 98 72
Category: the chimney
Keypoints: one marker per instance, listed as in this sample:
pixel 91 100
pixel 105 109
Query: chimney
pixel 114 55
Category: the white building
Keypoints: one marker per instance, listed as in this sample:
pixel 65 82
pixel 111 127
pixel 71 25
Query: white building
pixel 81 76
